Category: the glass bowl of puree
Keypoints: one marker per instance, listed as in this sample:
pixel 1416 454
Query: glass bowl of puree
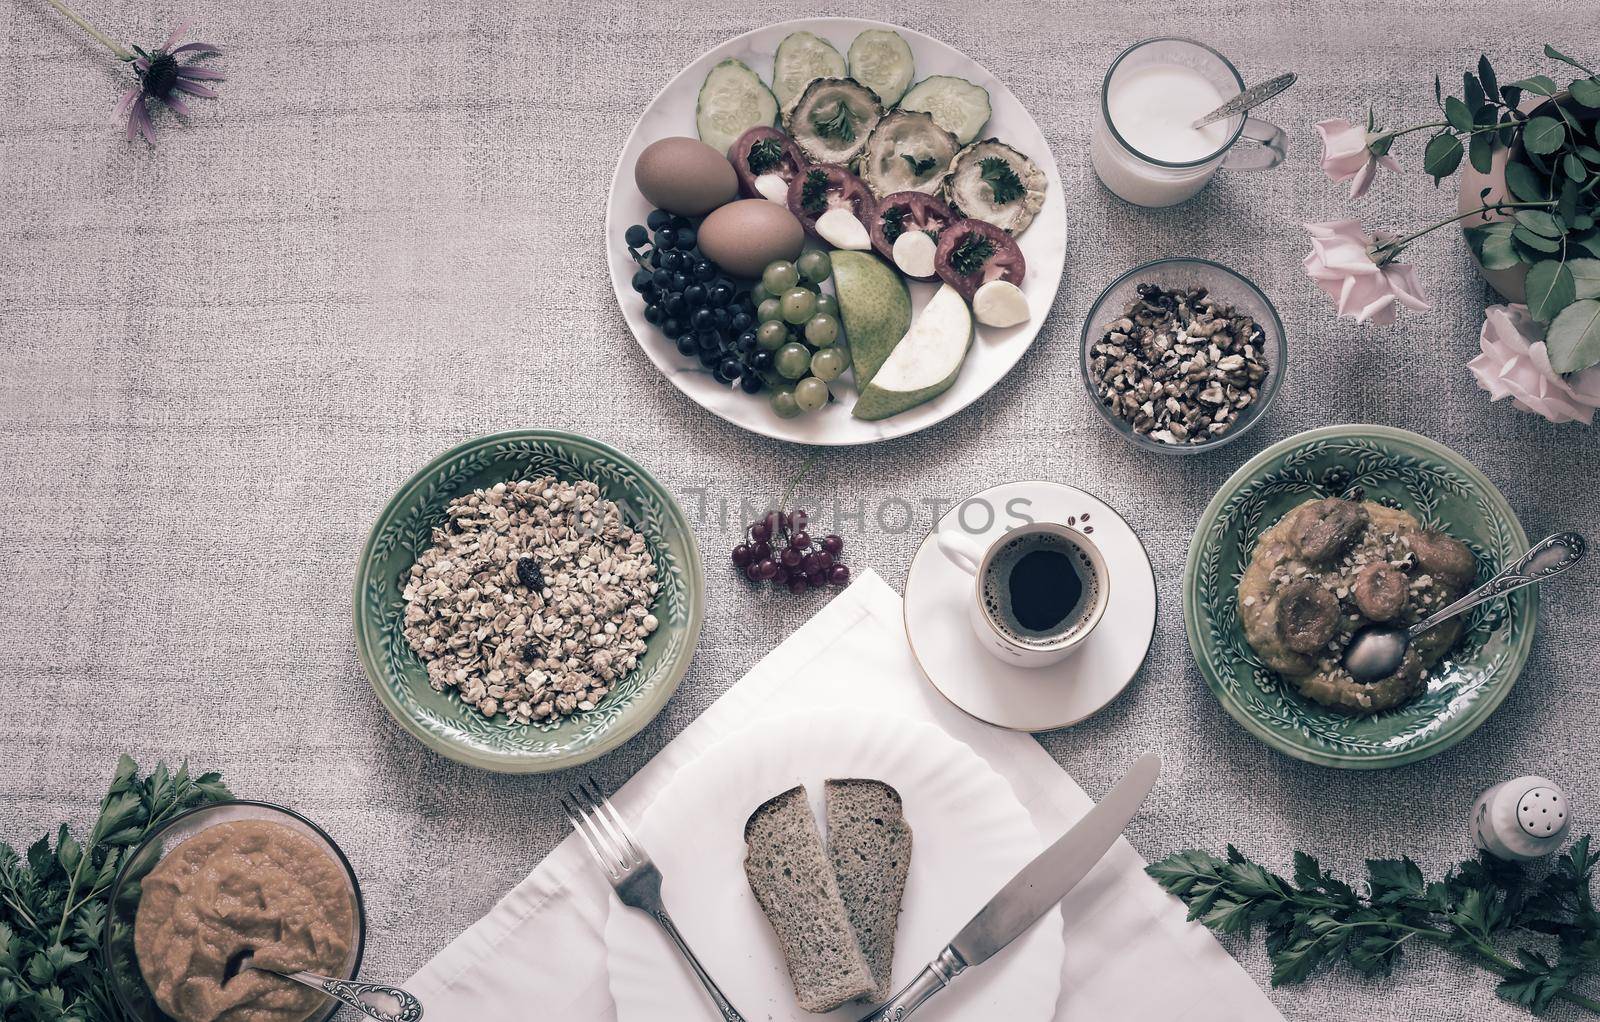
pixel 1166 373
pixel 219 882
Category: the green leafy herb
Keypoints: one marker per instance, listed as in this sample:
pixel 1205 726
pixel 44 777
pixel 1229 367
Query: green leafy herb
pixel 970 253
pixel 765 155
pixel 53 899
pixel 1003 181
pixel 919 164
pixel 814 193
pixel 894 223
pixel 839 126
pixel 1316 919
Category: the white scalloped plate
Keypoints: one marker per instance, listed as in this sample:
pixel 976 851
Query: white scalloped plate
pixel 994 350
pixel 969 836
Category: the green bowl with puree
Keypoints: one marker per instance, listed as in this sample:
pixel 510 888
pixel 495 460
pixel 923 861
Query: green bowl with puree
pixel 1399 469
pixel 404 530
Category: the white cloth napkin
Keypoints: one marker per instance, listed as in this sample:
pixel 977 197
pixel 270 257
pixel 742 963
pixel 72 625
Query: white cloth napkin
pixel 1130 953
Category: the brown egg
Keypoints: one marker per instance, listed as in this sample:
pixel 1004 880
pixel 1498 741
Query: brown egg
pixel 743 237
pixel 684 176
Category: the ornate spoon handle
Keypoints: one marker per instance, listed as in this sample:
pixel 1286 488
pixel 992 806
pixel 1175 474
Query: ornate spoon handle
pixel 1248 99
pixel 350 992
pixel 1547 558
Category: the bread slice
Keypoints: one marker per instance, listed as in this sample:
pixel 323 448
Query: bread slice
pixel 794 883
pixel 870 844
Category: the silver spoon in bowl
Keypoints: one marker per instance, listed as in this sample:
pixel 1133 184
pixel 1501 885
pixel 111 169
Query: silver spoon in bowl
pixel 374 1000
pixel 1376 650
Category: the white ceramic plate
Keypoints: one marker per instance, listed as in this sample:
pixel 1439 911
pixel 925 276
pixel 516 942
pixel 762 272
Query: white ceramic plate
pixel 969 836
pixel 1024 699
pixel 994 351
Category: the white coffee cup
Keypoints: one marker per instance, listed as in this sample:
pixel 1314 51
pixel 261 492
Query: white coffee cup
pixel 1011 642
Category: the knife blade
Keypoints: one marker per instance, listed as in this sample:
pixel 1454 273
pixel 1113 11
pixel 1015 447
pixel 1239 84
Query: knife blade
pixel 1035 890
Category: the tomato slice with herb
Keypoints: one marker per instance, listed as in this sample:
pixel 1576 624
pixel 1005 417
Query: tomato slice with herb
pixel 899 212
pixel 763 150
pixel 823 186
pixel 972 253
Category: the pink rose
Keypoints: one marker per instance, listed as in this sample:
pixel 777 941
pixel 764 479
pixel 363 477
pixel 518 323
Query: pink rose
pixel 1345 156
pixel 1515 364
pixel 1341 263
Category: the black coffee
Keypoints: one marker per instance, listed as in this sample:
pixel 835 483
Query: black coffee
pixel 1044 588
pixel 1039 588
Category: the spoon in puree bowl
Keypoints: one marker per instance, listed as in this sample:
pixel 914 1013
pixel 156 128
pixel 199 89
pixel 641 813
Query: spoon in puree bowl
pixel 374 1000
pixel 1376 650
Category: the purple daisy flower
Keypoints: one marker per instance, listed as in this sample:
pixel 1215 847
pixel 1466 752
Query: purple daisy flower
pixel 162 77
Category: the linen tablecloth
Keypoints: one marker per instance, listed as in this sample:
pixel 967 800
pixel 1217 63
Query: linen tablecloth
pixel 1130 954
pixel 220 357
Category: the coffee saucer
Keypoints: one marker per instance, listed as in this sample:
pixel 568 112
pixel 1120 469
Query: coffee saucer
pixel 944 645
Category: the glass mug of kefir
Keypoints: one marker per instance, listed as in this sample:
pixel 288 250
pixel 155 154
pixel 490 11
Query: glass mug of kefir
pixel 1144 148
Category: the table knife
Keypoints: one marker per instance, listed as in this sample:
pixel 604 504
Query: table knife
pixel 1031 893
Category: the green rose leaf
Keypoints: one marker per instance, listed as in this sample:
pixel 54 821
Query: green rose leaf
pixel 1457 114
pixel 1541 223
pixel 1442 156
pixel 1480 151
pixel 1567 208
pixel 1537 242
pixel 1474 91
pixel 1585 277
pixel 1491 85
pixel 1525 184
pixel 1492 245
pixel 1574 167
pixel 1573 340
pixel 1550 289
pixel 1539 85
pixel 1587 92
pixel 1543 135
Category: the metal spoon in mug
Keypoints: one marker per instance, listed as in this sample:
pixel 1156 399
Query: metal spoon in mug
pixel 1249 99
pixel 1376 650
pixel 374 1000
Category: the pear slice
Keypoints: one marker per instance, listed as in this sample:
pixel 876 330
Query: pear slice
pixel 925 362
pixel 875 307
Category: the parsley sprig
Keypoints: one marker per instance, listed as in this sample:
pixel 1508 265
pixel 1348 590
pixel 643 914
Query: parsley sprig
pixel 971 253
pixel 814 193
pixel 1317 919
pixel 840 125
pixel 765 155
pixel 53 899
pixel 920 165
pixel 1003 180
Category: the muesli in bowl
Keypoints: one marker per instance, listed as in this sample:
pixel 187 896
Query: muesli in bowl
pixel 528 601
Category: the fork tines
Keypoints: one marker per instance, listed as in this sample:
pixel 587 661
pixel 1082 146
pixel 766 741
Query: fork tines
pixel 610 841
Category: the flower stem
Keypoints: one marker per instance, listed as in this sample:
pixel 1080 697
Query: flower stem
pixel 94 33
pixel 1390 249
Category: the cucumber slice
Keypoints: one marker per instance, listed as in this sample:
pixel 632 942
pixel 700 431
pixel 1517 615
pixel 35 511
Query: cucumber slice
pixel 732 100
pixel 801 59
pixel 881 60
pixel 956 104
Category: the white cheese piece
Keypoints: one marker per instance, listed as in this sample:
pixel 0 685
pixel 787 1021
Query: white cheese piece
pixel 1000 303
pixel 913 253
pixel 841 229
pixel 774 187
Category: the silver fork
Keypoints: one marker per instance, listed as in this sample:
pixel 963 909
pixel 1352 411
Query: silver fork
pixel 633 876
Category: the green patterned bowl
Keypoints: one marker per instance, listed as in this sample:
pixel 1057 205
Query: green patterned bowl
pixel 1400 469
pixel 441 720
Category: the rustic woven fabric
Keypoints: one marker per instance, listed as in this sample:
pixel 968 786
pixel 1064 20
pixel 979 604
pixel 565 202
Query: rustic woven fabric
pixel 221 356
